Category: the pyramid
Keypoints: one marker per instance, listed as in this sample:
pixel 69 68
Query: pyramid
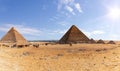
pixel 13 36
pixel 74 35
pixel 100 41
pixel 111 42
pixel 92 41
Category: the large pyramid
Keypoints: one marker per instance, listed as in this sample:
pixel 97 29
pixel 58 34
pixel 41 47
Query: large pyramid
pixel 13 36
pixel 74 35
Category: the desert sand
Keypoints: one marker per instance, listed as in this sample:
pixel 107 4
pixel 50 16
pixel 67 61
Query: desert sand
pixel 61 57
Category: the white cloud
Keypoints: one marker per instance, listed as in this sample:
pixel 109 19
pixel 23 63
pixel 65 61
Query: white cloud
pixel 55 17
pixel 66 1
pixel 113 37
pixel 78 7
pixel 58 31
pixel 69 5
pixel 63 23
pixel 3 29
pixel 70 9
pixel 22 29
pixel 87 33
pixel 30 31
pixel 66 8
pixel 96 32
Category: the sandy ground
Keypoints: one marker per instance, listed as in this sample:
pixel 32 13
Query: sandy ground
pixel 78 57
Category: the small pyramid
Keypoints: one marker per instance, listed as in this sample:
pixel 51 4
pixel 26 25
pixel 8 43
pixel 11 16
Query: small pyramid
pixel 111 42
pixel 100 41
pixel 74 35
pixel 92 40
pixel 13 36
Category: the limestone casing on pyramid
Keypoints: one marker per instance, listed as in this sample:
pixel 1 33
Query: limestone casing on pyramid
pixel 13 36
pixel 74 35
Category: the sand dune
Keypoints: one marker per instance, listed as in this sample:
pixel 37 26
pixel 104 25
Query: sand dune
pixel 78 57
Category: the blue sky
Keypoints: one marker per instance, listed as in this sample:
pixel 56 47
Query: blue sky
pixel 50 19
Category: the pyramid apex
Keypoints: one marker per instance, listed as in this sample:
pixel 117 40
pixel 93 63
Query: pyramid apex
pixel 73 26
pixel 13 28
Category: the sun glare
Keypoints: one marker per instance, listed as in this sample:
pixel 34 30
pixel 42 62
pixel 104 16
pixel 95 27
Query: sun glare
pixel 114 13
